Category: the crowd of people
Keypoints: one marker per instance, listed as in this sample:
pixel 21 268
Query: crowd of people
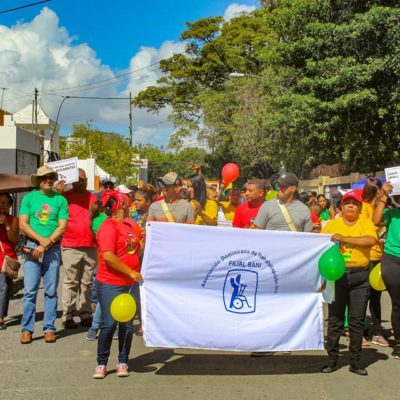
pixel 99 238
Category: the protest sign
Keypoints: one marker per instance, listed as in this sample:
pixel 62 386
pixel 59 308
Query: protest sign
pixel 393 175
pixel 67 169
pixel 232 289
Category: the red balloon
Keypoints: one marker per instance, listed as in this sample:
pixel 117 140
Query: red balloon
pixel 230 172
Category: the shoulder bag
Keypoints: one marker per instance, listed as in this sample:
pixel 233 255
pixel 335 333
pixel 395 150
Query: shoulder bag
pixel 167 213
pixel 287 217
pixel 10 266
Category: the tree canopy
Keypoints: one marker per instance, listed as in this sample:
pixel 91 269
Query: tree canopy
pixel 320 84
pixel 115 155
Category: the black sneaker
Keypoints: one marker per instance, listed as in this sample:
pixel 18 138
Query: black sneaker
pixel 396 352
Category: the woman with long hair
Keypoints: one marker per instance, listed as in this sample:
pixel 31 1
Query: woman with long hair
pixel 8 239
pixel 371 188
pixel 120 244
pixel 202 200
pixel 324 203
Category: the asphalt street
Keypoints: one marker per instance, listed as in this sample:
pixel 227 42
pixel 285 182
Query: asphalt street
pixel 63 370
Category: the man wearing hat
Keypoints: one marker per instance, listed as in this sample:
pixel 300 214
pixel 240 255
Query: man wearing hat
pixel 172 208
pixel 355 237
pixel 43 219
pixel 285 213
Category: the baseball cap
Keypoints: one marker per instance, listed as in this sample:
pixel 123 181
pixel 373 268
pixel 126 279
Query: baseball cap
pixel 171 178
pixel 123 189
pixel 288 179
pixel 353 194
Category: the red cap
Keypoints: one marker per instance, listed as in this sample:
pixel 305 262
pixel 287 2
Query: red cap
pixel 113 199
pixel 353 194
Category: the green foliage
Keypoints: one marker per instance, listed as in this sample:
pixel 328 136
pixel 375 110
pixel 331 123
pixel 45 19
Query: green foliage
pixel 111 151
pixel 162 161
pixel 322 86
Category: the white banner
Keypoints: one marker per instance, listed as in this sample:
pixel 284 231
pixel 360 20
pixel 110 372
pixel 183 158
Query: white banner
pixel 231 289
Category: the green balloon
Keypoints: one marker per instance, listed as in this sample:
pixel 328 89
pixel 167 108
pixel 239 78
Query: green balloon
pixel 331 264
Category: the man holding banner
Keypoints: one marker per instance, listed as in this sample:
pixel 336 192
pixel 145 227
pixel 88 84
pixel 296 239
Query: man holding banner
pixel 286 213
pixel 172 208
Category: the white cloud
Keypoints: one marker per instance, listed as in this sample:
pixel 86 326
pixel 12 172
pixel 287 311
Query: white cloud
pixel 42 54
pixel 235 10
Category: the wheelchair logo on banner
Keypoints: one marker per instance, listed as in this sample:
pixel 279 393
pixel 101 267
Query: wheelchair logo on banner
pixel 240 291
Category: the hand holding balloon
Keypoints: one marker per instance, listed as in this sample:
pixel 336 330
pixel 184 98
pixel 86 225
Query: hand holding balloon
pixel 123 307
pixel 331 264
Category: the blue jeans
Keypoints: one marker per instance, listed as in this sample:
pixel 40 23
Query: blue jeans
pixel 33 271
pixel 106 294
pixel 96 320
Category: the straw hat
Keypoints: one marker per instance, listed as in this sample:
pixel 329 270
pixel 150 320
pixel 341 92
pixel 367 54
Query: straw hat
pixel 42 171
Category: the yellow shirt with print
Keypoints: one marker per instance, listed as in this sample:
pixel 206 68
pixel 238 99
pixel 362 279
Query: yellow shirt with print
pixel 367 211
pixel 228 209
pixel 355 256
pixel 210 209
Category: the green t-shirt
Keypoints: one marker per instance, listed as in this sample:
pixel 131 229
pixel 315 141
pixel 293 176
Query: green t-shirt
pixel 325 215
pixel 391 218
pixel 44 211
pixel 98 221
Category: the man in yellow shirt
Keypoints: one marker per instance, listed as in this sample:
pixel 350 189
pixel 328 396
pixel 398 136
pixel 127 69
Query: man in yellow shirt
pixel 356 236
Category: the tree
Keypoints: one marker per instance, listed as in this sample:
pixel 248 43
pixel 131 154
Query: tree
pixel 322 86
pixel 111 151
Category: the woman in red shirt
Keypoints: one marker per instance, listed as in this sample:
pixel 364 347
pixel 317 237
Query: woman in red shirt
pixel 8 239
pixel 119 245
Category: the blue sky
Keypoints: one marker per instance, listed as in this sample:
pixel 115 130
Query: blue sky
pixel 82 41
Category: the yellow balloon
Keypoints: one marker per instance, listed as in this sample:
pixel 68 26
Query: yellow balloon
pixel 375 278
pixel 123 307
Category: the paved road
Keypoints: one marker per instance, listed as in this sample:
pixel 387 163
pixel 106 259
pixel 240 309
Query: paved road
pixel 63 370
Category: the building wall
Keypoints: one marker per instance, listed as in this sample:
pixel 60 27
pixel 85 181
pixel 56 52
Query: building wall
pixel 8 161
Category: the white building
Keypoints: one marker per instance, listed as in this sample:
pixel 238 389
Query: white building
pixel 40 125
pixel 19 149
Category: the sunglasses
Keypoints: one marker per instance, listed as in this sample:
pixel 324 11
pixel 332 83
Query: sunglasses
pixel 47 178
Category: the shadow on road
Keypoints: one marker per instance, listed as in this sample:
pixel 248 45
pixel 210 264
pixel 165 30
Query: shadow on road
pixel 175 363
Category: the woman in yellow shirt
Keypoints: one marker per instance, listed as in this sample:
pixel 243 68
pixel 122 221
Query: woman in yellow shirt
pixel 356 236
pixel 205 208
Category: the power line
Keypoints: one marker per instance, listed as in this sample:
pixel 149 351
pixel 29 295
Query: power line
pixel 104 80
pixel 25 6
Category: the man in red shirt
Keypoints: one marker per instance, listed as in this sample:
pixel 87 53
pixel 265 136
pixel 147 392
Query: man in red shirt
pixel 247 211
pixel 79 255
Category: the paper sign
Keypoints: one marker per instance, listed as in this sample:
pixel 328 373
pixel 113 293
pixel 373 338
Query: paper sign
pixel 67 169
pixel 393 175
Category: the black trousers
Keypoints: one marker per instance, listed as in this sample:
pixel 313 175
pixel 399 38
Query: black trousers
pixel 391 278
pixel 375 307
pixel 352 290
pixel 5 292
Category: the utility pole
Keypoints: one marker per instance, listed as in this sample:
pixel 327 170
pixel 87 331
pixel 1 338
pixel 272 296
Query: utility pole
pixel 35 111
pixel 2 96
pixel 130 119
